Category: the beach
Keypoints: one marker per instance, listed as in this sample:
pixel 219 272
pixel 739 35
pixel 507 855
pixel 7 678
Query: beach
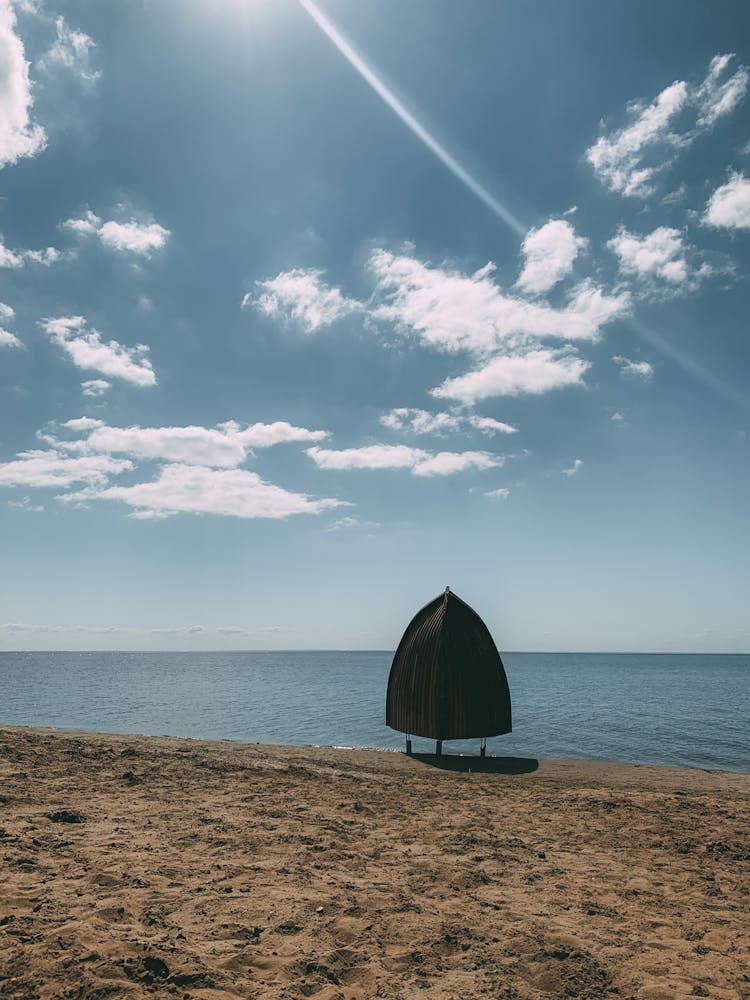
pixel 137 866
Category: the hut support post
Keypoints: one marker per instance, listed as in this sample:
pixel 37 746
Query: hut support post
pixel 438 748
pixel 408 745
pixel 483 747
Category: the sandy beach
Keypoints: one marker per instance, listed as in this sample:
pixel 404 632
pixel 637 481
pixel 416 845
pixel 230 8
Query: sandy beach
pixel 137 866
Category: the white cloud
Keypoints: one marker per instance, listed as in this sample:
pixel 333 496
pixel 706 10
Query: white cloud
pixel 550 252
pixel 661 254
pixel 95 387
pixel 677 196
pixel 617 158
pixel 25 504
pixel 266 435
pixel 617 417
pixel 226 445
pixel 641 369
pixel 6 312
pixel 9 258
pixel 455 312
pixel 13 259
pixel 133 236
pixel 729 205
pixel 71 51
pixel 490 426
pixel 8 339
pixel 536 372
pixel 500 494
pixel 442 307
pixel 303 297
pixel 199 490
pixel 87 225
pixel 141 238
pixel 50 468
pixel 86 349
pixel 83 424
pixel 346 523
pixel 716 98
pixel 422 422
pixel 375 456
pixel 574 468
pixel 200 477
pixel 416 421
pixel 179 630
pixel 421 463
pixel 628 160
pixel 19 136
pixel 28 627
pixel 446 463
pixel 45 257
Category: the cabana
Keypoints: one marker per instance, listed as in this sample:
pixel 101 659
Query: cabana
pixel 447 680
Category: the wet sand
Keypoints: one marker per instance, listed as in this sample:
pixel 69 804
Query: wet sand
pixel 136 867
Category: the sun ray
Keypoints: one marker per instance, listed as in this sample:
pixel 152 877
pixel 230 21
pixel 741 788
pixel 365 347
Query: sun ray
pixel 386 94
pixel 690 365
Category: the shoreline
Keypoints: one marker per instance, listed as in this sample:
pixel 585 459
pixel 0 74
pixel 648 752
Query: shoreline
pixel 218 869
pixel 423 755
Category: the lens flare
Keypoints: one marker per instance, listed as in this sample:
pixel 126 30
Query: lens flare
pixel 368 74
pixel 386 94
pixel 689 365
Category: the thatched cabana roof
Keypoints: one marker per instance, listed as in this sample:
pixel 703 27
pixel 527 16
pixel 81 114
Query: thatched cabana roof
pixel 447 680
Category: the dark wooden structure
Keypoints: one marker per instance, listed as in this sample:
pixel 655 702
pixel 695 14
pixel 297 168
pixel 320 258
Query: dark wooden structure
pixel 447 680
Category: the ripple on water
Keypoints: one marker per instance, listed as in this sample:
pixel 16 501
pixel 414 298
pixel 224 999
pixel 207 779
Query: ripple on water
pixel 683 710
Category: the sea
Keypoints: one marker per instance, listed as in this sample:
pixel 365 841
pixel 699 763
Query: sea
pixel 677 710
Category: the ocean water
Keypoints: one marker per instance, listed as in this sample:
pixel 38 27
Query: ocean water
pixel 681 710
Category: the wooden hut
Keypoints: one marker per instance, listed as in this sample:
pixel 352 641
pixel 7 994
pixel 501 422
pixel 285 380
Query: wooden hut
pixel 447 680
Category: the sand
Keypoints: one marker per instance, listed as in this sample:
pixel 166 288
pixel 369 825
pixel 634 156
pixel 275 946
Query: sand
pixel 136 867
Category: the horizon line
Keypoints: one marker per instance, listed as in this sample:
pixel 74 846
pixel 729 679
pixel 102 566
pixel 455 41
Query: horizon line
pixel 337 649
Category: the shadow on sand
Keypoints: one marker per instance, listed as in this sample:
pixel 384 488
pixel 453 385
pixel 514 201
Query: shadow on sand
pixel 478 765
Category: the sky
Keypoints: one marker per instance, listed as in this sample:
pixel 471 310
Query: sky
pixel 310 308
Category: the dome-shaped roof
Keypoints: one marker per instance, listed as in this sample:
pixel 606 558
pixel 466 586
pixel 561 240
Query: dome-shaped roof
pixel 447 680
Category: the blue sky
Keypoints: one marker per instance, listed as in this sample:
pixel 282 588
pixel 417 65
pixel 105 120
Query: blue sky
pixel 312 308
